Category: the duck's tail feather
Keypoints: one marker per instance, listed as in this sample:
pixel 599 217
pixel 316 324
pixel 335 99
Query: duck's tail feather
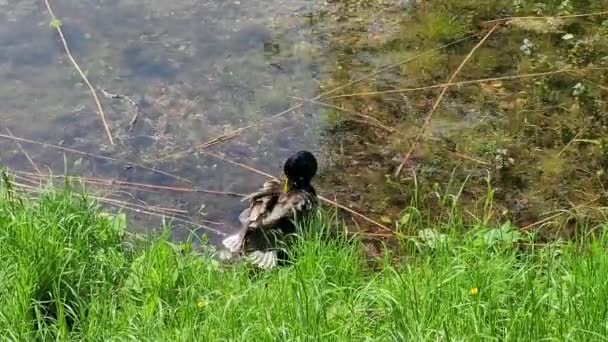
pixel 264 260
pixel 234 242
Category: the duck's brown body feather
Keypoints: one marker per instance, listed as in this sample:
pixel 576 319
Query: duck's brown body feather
pixel 268 219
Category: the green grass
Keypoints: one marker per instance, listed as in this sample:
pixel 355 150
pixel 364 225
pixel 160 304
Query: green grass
pixel 68 272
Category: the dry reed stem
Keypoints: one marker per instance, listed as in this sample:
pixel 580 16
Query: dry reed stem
pixel 382 235
pixel 138 186
pixel 162 210
pixel 565 148
pixel 588 80
pixel 539 222
pixel 464 156
pixel 352 212
pixel 231 134
pixel 559 213
pixel 247 167
pixel 324 199
pixel 28 180
pixel 87 154
pixel 24 152
pixel 427 120
pixel 77 67
pixel 170 188
pixel 146 207
pixel 132 207
pixel 468 82
pixel 109 185
pixel 112 183
pixel 238 131
pixel 550 17
pixel 219 232
pixel 366 118
pixel 116 201
pixel 137 209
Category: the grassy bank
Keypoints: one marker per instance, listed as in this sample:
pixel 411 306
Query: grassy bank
pixel 68 272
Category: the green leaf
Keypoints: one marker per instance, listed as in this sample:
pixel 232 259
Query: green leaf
pixel 404 220
pixel 55 23
pixel 386 219
pixel 120 223
pixel 505 234
pixel 432 238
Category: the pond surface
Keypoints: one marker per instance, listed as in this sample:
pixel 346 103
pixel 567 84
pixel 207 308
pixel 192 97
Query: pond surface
pixel 190 70
pixel 186 81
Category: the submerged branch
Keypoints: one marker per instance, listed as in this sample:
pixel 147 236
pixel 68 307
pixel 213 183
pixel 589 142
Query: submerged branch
pixel 55 23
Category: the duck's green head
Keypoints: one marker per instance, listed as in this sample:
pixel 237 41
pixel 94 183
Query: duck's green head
pixel 300 168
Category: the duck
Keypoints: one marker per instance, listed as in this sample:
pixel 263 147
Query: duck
pixel 273 211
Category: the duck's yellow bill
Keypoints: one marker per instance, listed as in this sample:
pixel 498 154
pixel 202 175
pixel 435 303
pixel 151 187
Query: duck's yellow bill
pixel 286 186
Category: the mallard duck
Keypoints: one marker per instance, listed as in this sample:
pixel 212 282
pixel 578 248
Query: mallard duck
pixel 272 211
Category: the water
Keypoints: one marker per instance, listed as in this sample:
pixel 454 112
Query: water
pixel 195 70
pixel 198 70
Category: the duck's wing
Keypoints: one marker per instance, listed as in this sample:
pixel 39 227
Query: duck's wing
pixel 269 188
pixel 290 206
pixel 254 236
pixel 265 243
pixel 260 203
pixel 234 243
pixel 263 259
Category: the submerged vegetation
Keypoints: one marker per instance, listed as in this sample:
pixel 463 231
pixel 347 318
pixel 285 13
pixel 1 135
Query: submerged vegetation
pixel 69 271
pixel 530 107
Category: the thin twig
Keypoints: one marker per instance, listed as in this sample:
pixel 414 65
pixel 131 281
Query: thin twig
pixel 57 25
pixel 112 200
pixel 246 167
pixel 238 131
pixel 539 222
pixel 427 121
pixel 118 96
pixel 565 148
pixel 573 73
pixel 104 199
pixel 464 156
pixel 27 156
pixel 138 186
pixel 549 18
pixel 135 208
pixel 92 155
pixel 147 207
pixel 460 83
pixel 366 118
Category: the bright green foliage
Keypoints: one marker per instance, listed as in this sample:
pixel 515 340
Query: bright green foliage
pixel 67 272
